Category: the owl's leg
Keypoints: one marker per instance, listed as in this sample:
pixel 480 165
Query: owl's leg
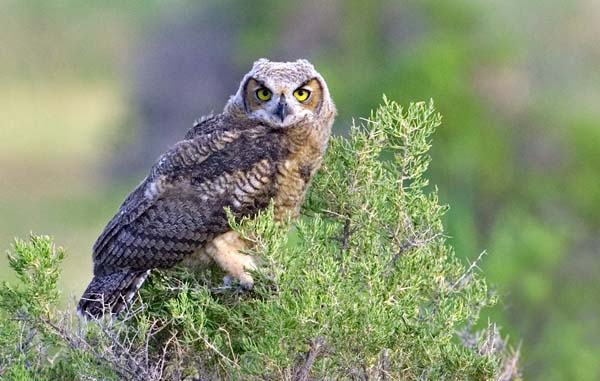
pixel 225 251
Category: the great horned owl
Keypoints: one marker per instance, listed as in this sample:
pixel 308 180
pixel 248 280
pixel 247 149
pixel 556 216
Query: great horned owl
pixel 266 145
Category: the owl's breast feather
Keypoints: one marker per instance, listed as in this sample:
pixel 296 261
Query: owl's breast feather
pixel 295 170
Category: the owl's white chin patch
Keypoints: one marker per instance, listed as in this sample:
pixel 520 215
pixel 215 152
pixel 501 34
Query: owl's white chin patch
pixel 289 121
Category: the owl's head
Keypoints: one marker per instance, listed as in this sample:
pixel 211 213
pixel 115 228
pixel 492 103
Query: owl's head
pixel 282 94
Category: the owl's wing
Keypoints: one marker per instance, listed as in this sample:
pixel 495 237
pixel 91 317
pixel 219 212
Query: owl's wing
pixel 180 205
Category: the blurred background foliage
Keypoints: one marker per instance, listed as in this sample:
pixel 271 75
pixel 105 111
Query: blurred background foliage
pixel 92 92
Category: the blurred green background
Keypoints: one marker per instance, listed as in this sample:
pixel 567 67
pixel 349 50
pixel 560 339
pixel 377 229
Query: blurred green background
pixel 92 92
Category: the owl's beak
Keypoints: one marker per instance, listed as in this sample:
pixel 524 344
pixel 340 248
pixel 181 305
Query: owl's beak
pixel 281 111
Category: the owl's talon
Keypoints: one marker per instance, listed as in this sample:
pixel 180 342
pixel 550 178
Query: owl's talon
pixel 246 282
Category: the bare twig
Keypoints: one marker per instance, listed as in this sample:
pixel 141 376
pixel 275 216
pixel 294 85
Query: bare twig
pixel 411 239
pixel 345 235
pixel 469 270
pixel 303 370
pixel 510 367
pixel 384 365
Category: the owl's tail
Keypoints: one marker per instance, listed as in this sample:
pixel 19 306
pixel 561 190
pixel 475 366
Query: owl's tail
pixel 110 293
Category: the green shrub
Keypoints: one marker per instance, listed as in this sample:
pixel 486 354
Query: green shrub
pixel 363 287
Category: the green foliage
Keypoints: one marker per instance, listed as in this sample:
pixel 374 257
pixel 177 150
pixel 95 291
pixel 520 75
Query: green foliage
pixel 25 341
pixel 36 266
pixel 364 287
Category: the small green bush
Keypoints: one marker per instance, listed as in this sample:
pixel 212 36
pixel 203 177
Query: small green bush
pixel 363 287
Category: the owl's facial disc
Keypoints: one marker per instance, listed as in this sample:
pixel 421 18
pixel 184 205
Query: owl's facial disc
pixel 280 103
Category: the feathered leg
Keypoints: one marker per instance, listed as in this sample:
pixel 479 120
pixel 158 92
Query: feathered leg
pixel 225 251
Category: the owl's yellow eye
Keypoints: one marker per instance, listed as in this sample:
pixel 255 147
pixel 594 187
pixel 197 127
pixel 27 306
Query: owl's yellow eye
pixel 263 94
pixel 302 94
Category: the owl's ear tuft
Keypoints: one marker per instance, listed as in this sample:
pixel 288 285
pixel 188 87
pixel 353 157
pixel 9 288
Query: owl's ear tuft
pixel 259 62
pixel 305 62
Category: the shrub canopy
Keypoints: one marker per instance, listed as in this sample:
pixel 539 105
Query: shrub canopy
pixel 363 286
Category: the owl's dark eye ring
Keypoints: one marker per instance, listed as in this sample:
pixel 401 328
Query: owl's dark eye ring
pixel 263 94
pixel 302 94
